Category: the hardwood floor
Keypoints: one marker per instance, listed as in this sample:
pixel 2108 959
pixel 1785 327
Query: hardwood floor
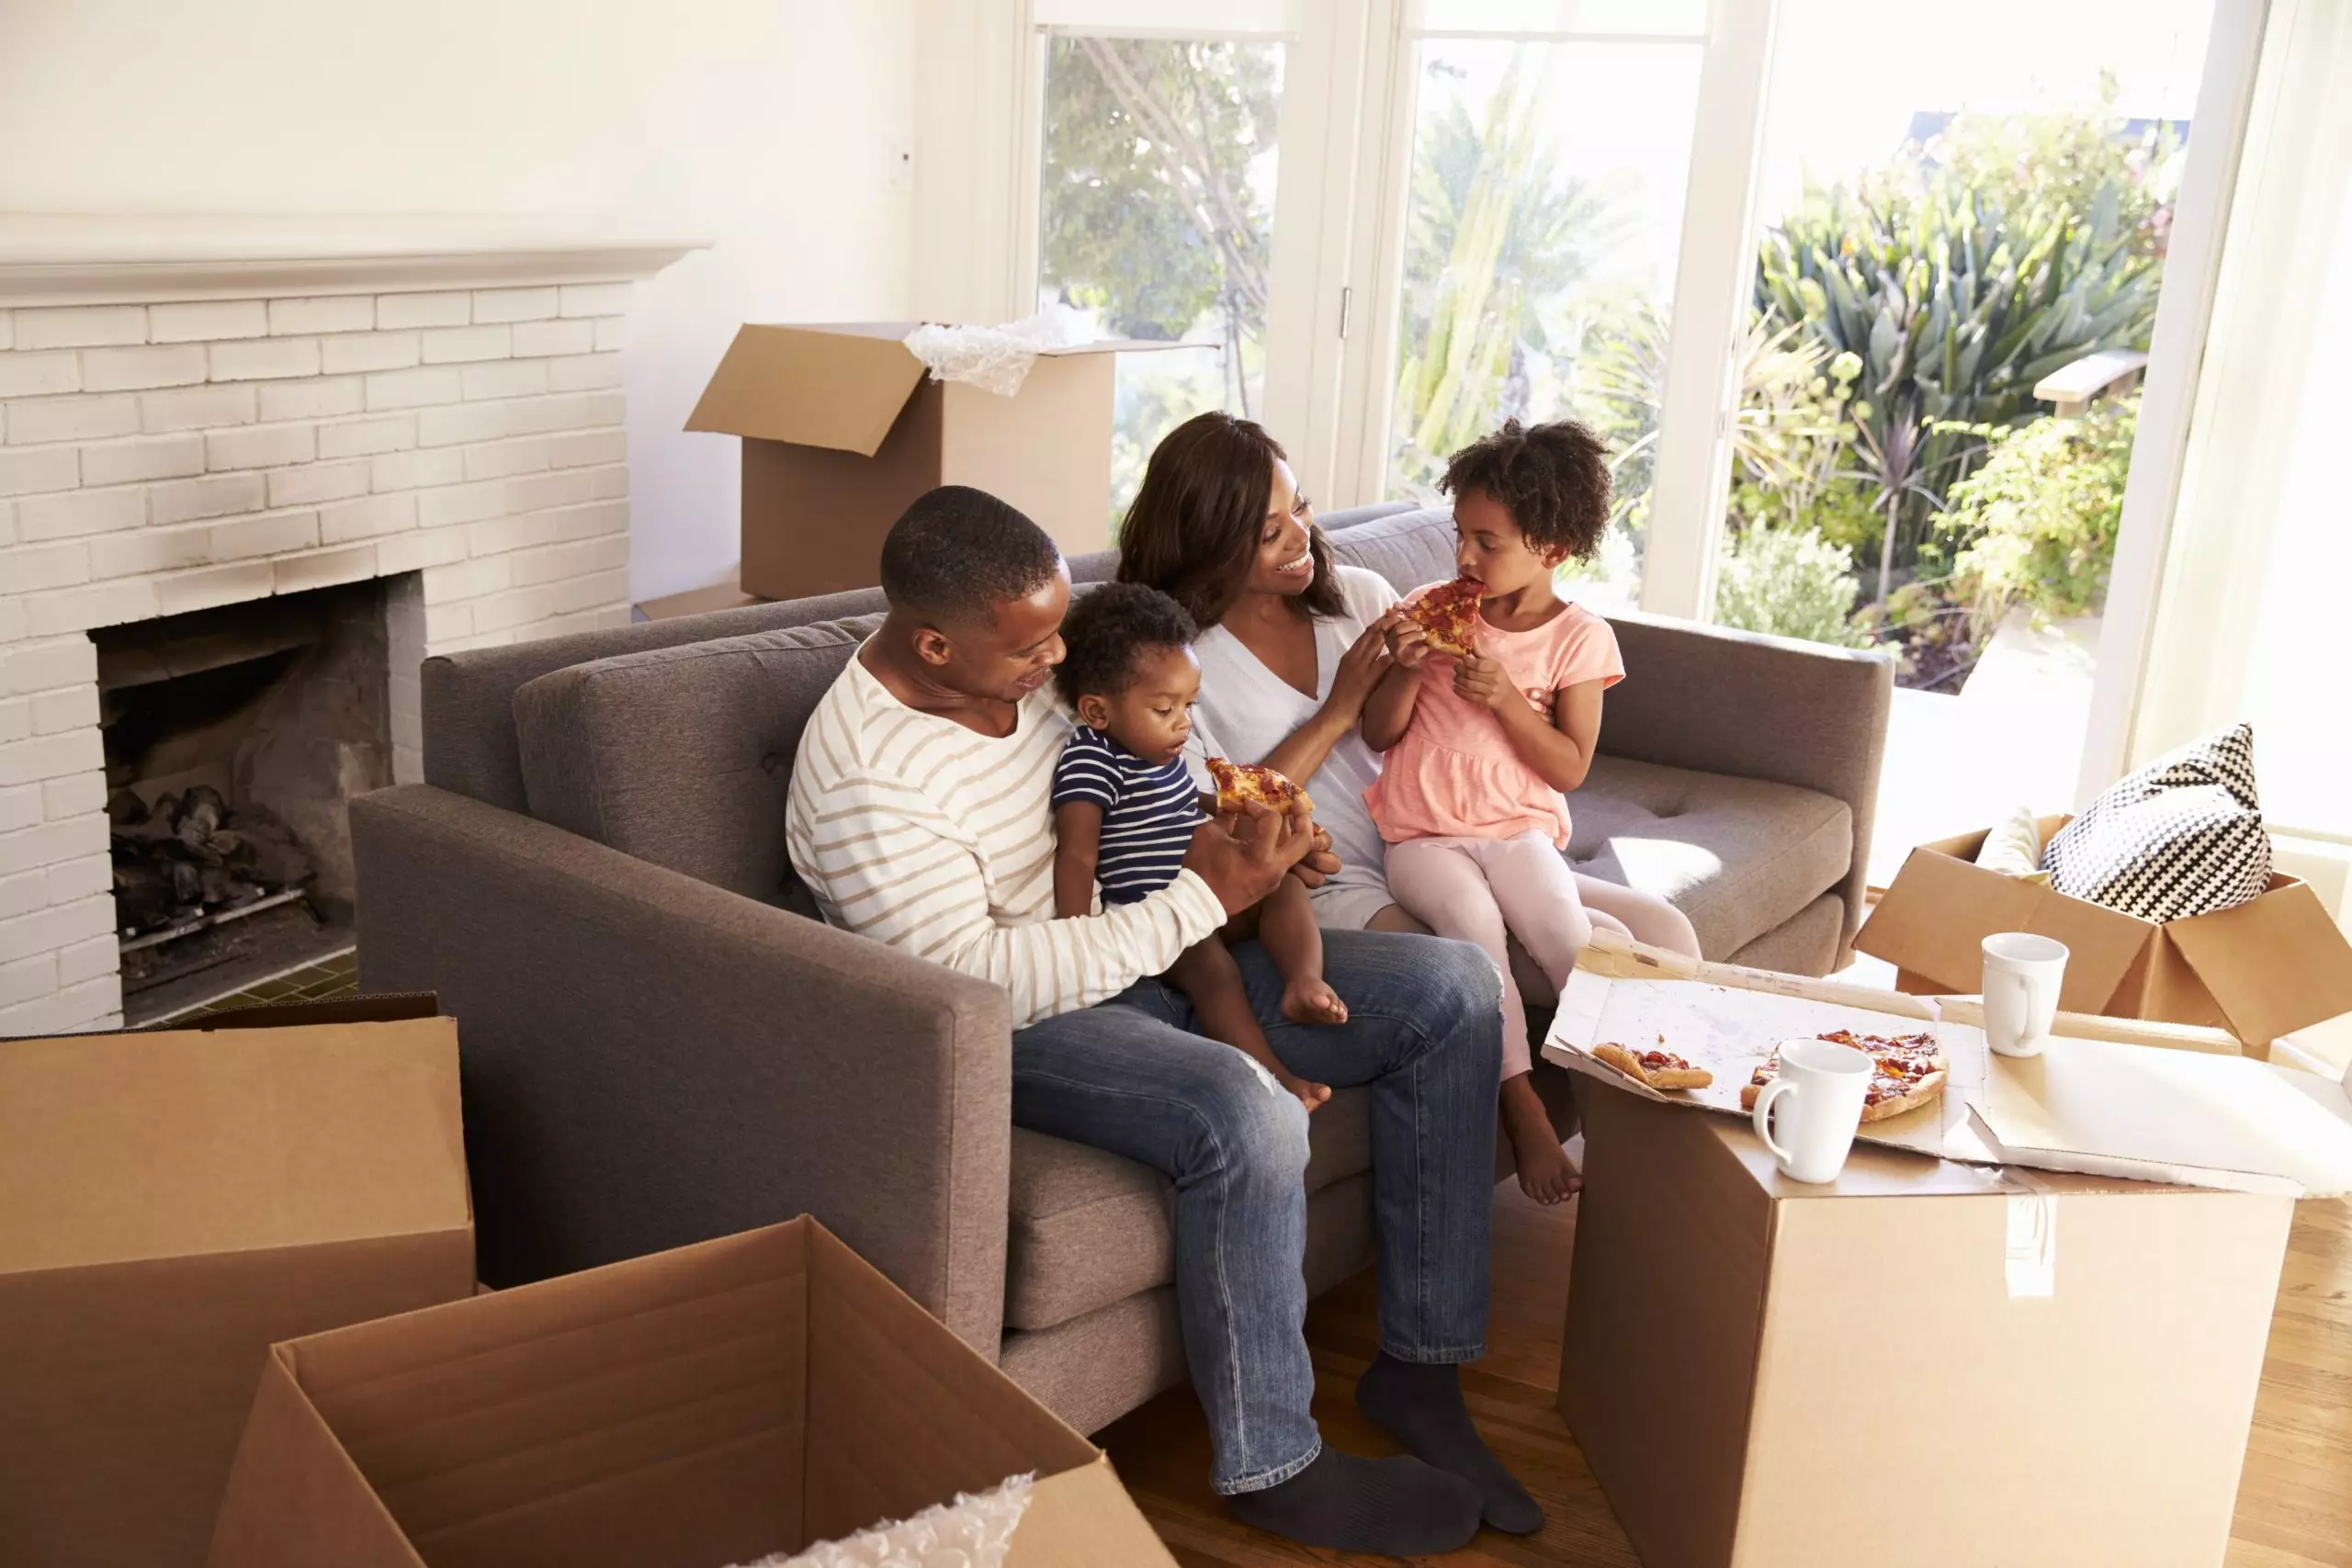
pixel 2294 1504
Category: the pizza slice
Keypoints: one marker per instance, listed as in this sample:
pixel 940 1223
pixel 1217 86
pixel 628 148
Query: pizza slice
pixel 1659 1069
pixel 1907 1072
pixel 1449 614
pixel 1240 783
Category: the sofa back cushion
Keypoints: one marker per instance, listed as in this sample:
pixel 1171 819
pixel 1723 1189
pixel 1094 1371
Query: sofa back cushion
pixel 681 756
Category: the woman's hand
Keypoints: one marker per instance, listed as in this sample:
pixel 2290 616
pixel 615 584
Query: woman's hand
pixel 1484 682
pixel 1360 671
pixel 1408 641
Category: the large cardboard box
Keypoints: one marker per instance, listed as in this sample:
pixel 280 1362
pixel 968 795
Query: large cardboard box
pixel 690 1409
pixel 842 428
pixel 1924 1363
pixel 2261 970
pixel 171 1204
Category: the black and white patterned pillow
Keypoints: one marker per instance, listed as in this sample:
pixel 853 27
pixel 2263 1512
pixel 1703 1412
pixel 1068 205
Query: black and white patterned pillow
pixel 2181 837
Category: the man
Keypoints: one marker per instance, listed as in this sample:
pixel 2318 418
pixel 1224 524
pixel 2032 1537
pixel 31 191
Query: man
pixel 920 816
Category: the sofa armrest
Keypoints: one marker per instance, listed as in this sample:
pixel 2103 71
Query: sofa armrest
pixel 650 1061
pixel 1760 707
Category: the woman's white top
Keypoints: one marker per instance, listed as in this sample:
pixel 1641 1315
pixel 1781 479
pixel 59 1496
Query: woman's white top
pixel 1247 710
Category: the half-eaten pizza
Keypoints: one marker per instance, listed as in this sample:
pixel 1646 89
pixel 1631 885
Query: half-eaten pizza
pixel 1239 784
pixel 1449 614
pixel 1908 1072
pixel 1659 1069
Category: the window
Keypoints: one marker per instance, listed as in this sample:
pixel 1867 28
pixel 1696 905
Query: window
pixel 1156 205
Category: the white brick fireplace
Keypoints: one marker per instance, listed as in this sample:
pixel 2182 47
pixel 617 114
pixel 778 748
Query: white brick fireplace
pixel 197 414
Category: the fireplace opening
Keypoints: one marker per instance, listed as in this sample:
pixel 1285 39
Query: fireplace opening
pixel 234 737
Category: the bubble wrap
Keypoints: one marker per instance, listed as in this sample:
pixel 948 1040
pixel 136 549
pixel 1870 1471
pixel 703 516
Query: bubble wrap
pixel 970 1532
pixel 997 359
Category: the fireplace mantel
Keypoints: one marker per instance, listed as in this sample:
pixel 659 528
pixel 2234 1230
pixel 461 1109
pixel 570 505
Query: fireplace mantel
pixel 99 259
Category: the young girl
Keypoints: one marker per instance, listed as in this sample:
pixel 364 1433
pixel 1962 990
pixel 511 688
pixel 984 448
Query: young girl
pixel 1481 748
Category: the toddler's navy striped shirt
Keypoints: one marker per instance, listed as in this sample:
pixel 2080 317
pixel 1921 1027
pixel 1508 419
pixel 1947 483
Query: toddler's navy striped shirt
pixel 1149 812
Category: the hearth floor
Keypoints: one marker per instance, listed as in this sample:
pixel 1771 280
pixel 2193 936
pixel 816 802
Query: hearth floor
pixel 337 976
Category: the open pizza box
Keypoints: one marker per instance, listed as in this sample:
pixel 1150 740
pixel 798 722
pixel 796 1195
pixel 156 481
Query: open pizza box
pixel 2039 1349
pixel 2109 1097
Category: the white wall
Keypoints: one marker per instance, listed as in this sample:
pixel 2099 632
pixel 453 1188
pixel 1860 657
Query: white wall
pixel 775 126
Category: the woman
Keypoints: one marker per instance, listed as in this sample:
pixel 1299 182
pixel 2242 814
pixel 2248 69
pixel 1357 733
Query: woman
pixel 1292 645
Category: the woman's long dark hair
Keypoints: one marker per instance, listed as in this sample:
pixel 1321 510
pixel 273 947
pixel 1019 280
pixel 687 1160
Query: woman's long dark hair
pixel 1192 531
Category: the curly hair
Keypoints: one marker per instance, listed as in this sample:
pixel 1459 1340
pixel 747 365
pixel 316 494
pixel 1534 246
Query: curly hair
pixel 1192 531
pixel 1105 631
pixel 1551 479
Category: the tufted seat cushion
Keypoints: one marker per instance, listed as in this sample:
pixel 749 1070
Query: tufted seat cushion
pixel 1737 855
pixel 1089 1228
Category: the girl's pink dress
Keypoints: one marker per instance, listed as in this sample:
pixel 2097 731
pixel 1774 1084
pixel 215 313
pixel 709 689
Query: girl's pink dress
pixel 1455 773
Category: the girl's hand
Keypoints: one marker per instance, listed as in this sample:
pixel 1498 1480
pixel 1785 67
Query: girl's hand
pixel 1484 682
pixel 1409 642
pixel 1360 671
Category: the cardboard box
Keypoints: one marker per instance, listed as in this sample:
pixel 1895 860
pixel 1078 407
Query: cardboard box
pixel 726 595
pixel 2261 970
pixel 842 428
pixel 172 1203
pixel 1923 1363
pixel 690 1409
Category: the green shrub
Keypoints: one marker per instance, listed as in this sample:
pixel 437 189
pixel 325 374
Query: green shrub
pixel 1790 583
pixel 2036 523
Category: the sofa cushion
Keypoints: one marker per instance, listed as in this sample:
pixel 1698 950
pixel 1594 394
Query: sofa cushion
pixel 681 756
pixel 1738 856
pixel 1089 1227
pixel 1409 548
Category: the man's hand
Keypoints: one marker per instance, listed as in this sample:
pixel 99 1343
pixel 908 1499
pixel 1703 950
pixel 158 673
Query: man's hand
pixel 1321 864
pixel 1244 857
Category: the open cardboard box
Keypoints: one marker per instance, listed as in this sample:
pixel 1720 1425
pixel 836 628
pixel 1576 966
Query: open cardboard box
pixel 1928 1362
pixel 172 1203
pixel 842 428
pixel 2106 1097
pixel 691 1409
pixel 2261 970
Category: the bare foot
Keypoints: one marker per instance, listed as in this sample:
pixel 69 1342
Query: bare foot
pixel 1545 1172
pixel 1310 1095
pixel 1309 1000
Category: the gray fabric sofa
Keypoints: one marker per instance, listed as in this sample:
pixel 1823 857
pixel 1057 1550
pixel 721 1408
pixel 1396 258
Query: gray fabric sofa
pixel 657 1048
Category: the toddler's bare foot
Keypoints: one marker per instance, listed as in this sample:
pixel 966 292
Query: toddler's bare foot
pixel 1309 1000
pixel 1310 1095
pixel 1545 1172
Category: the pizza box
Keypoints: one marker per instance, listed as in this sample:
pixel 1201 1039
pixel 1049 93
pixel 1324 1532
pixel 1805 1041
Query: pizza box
pixel 1930 1363
pixel 2260 970
pixel 174 1200
pixel 2108 1097
pixel 705 1406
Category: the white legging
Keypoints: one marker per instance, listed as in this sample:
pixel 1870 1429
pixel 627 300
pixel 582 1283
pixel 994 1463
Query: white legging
pixel 1487 890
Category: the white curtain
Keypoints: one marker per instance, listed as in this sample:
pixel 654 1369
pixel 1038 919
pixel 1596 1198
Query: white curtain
pixel 2254 617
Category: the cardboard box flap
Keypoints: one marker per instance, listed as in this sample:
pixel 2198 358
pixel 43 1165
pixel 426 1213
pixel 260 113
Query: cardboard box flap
pixel 293 1486
pixel 1941 906
pixel 117 1147
pixel 837 386
pixel 2182 1116
pixel 2272 966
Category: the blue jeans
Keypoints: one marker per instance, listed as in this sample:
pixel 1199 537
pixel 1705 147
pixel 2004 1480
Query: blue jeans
pixel 1424 1031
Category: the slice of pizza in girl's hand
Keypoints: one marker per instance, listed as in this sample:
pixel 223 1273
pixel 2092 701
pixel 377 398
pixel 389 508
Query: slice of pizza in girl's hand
pixel 1449 615
pixel 1239 785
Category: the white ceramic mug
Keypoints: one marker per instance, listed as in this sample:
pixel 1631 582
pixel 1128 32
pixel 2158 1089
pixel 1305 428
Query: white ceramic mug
pixel 1819 1091
pixel 2023 974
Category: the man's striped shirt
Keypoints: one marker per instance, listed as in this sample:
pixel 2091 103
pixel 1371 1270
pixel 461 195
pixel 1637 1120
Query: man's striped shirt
pixel 1150 811
pixel 916 831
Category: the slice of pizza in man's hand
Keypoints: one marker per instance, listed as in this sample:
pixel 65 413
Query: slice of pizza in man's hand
pixel 1239 785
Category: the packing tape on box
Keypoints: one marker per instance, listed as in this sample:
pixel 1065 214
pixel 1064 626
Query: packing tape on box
pixel 2033 1262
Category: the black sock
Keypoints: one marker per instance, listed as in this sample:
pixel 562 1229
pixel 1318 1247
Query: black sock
pixel 1394 1507
pixel 1421 1408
